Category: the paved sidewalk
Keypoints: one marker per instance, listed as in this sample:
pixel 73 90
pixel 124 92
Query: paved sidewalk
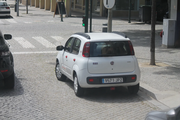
pixel 162 81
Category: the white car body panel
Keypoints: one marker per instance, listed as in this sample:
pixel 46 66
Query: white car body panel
pixel 98 66
pixel 103 64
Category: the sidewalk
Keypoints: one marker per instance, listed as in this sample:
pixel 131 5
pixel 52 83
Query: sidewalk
pixel 162 81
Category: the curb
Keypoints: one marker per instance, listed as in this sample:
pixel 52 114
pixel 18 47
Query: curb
pixel 162 99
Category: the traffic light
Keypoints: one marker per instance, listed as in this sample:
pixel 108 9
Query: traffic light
pixel 83 20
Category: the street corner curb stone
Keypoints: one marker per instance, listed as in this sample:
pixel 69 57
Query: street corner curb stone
pixel 146 91
pixel 162 99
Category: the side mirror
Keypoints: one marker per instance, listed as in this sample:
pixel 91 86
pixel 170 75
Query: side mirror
pixel 59 48
pixel 178 113
pixel 171 114
pixel 174 114
pixel 7 36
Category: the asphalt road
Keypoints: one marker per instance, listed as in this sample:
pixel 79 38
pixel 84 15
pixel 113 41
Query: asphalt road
pixel 39 95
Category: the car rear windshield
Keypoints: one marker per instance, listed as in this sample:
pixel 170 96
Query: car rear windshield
pixel 3 4
pixel 110 48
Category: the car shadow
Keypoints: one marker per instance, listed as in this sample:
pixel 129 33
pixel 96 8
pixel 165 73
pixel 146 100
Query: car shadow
pixel 106 95
pixel 18 89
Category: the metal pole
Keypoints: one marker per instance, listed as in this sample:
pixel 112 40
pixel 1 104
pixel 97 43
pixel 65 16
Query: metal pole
pixel 17 7
pixel 87 15
pixel 91 18
pixel 109 20
pixel 61 12
pixel 129 11
pixel 26 6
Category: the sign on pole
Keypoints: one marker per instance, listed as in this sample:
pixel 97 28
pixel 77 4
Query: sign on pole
pixel 109 3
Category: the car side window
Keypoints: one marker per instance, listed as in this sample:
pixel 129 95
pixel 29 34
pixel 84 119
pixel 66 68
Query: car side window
pixel 76 46
pixel 68 45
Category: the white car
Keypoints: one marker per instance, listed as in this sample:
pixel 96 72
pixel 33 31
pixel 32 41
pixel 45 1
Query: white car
pixel 4 9
pixel 94 60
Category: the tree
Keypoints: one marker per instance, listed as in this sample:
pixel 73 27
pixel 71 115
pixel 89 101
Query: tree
pixel 153 22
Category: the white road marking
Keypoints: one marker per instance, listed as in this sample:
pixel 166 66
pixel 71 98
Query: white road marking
pixel 51 21
pixel 44 42
pixel 57 38
pixel 24 43
pixel 1 22
pixel 11 20
pixel 37 52
pixel 27 22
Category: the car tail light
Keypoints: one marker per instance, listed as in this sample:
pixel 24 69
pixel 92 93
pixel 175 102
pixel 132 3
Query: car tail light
pixel 91 80
pixel 112 88
pixel 133 78
pixel 131 48
pixel 86 50
pixel 4 71
pixel 7 8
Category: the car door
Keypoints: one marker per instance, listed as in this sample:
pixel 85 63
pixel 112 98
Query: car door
pixel 72 57
pixel 66 55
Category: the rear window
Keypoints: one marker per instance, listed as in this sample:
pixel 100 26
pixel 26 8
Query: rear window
pixel 110 48
pixel 3 4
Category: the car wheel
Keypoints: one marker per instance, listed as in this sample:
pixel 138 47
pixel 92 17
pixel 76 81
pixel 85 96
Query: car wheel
pixel 9 82
pixel 133 89
pixel 59 75
pixel 77 89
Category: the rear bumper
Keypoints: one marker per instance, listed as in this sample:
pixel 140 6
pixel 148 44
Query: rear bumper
pixel 6 68
pixel 4 13
pixel 99 80
pixel 84 79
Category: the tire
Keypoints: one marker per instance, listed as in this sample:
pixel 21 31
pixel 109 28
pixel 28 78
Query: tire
pixel 133 89
pixel 59 75
pixel 9 82
pixel 79 92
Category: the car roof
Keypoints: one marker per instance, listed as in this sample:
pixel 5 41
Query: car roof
pixel 103 36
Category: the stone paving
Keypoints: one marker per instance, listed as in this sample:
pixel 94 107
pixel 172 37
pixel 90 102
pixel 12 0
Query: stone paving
pixel 33 98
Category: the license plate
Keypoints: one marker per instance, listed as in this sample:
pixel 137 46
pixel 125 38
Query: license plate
pixel 112 80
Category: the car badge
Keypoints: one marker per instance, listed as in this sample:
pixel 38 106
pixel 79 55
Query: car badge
pixel 112 62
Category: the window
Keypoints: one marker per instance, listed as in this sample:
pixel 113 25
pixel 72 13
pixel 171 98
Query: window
pixel 112 48
pixel 3 4
pixel 68 45
pixel 76 46
pixel 124 4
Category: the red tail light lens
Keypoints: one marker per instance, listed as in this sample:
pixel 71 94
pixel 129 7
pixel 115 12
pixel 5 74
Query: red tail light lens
pixel 7 8
pixel 86 50
pixel 131 48
pixel 133 78
pixel 91 80
pixel 4 71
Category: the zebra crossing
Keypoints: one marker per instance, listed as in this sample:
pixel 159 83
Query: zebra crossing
pixel 13 21
pixel 4 21
pixel 35 42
